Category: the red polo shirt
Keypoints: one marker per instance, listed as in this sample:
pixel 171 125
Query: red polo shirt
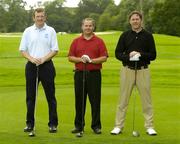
pixel 93 47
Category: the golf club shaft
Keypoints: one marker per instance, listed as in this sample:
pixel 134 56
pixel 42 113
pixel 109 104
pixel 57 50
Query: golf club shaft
pixel 134 101
pixel 37 81
pixel 83 94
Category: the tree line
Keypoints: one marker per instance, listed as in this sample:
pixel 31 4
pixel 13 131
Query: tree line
pixel 160 16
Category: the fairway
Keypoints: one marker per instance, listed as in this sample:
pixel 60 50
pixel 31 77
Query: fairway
pixel 165 86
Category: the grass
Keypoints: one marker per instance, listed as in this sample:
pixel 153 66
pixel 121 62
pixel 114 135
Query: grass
pixel 165 73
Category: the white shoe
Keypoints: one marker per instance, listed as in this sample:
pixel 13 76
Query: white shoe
pixel 151 131
pixel 116 131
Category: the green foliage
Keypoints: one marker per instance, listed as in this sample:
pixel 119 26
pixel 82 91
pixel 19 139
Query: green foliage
pixel 13 16
pixel 88 8
pixel 58 16
pixel 103 24
pixel 108 16
pixel 166 17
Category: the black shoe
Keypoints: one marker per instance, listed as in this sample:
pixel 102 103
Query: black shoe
pixel 97 131
pixel 76 130
pixel 28 128
pixel 52 129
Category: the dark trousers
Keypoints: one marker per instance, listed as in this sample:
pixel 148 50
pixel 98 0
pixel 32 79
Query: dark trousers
pixel 46 75
pixel 92 88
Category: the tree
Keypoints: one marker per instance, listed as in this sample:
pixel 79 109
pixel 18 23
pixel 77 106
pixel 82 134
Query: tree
pixel 13 15
pixel 88 8
pixel 166 17
pixel 3 19
pixel 108 18
pixel 17 16
pixel 160 16
pixel 58 16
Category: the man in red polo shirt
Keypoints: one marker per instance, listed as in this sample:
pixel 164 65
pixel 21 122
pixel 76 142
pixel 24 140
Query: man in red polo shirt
pixel 88 52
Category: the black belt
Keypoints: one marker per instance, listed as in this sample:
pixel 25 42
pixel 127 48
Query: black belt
pixel 41 64
pixel 86 70
pixel 137 68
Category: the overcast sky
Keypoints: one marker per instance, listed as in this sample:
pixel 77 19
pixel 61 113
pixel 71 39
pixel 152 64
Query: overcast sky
pixel 69 3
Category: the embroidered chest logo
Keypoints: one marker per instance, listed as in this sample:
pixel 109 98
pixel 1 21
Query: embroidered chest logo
pixel 46 35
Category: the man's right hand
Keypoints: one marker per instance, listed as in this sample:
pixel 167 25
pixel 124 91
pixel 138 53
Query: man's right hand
pixel 86 59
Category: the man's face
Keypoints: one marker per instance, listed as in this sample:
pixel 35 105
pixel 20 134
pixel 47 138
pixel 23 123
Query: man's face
pixel 135 22
pixel 87 27
pixel 39 19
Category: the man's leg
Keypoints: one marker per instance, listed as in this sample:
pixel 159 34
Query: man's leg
pixel 47 75
pixel 80 105
pixel 94 93
pixel 30 73
pixel 127 83
pixel 143 83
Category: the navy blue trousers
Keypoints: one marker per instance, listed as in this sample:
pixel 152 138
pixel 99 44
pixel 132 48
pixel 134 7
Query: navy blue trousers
pixel 46 75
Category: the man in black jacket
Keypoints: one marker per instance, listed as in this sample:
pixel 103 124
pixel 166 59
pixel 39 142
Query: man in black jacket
pixel 135 48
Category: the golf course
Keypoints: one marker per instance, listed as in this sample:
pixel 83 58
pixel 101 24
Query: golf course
pixel 165 87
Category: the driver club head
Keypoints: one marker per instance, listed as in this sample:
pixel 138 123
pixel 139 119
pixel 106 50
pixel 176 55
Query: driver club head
pixel 135 134
pixel 32 134
pixel 80 134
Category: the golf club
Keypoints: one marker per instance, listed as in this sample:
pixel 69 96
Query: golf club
pixel 80 134
pixel 135 133
pixel 32 133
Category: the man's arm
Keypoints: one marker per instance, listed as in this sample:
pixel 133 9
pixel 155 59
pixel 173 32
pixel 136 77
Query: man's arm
pixel 48 57
pixel 30 58
pixel 75 59
pixel 150 55
pixel 120 50
pixel 99 60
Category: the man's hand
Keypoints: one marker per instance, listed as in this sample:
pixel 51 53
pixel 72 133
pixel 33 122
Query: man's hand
pixel 86 59
pixel 134 56
pixel 43 60
pixel 36 61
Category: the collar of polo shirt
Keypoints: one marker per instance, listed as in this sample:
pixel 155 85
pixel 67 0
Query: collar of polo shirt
pixel 42 28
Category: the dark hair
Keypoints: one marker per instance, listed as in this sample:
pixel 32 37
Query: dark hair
pixel 38 10
pixel 135 12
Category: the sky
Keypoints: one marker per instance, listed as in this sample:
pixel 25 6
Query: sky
pixel 69 3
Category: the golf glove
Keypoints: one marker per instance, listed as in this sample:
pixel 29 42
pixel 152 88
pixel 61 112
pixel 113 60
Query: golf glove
pixel 135 57
pixel 86 59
